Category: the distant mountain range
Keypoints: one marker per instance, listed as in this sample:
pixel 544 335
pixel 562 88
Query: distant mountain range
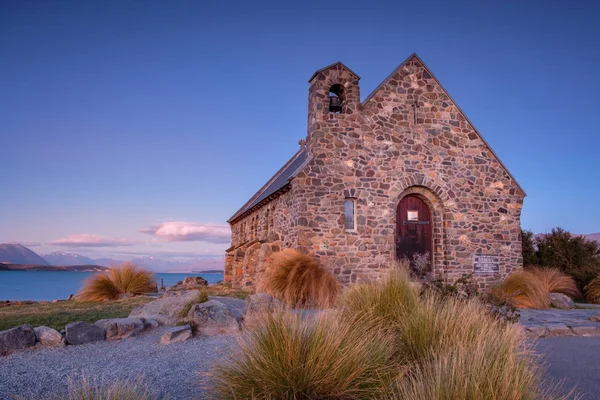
pixel 593 236
pixel 18 254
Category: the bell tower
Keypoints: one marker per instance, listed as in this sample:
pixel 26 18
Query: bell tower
pixel 333 96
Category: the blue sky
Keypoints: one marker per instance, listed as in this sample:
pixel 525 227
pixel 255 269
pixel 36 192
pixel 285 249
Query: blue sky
pixel 140 127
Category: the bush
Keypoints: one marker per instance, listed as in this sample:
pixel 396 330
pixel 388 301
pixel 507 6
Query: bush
pixel 129 278
pixel 573 255
pixel 530 256
pixel 298 280
pixel 286 357
pixel 524 290
pixel 592 291
pixel 556 281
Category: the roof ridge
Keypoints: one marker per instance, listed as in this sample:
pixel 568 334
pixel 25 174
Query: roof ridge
pixel 266 185
pixel 331 65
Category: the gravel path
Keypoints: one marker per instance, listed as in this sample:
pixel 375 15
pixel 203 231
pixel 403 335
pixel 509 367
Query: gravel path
pixel 172 370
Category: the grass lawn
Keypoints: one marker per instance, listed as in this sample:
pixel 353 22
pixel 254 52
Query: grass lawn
pixel 57 315
pixel 225 291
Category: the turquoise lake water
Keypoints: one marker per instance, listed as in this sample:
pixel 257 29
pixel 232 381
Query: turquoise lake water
pixel 55 285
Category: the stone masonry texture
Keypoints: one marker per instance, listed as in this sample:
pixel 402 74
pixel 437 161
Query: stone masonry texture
pixel 407 138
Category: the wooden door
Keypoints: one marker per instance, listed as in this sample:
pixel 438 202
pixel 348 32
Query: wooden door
pixel 413 228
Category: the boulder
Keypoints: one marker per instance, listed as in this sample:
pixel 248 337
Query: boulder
pixel 257 304
pixel 83 332
pixel 167 309
pixel 49 337
pixel 150 323
pixel 177 334
pixel 121 328
pixel 213 318
pixel 559 300
pixel 17 338
pixel 194 282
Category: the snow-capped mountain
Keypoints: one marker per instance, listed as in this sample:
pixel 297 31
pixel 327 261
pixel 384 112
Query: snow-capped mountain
pixel 63 258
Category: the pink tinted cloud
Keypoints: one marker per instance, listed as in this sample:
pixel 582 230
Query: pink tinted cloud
pixel 89 240
pixel 189 232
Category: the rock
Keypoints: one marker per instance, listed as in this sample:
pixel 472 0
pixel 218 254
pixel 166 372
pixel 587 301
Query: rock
pixel 194 282
pixel 595 318
pixel 150 323
pixel 49 337
pixel 83 332
pixel 121 328
pixel 125 296
pixel 559 329
pixel 586 330
pixel 17 338
pixel 213 318
pixel 257 304
pixel 177 334
pixel 562 301
pixel 167 309
pixel 536 331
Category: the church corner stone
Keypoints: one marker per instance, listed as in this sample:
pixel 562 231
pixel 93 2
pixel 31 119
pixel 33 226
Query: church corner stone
pixel 416 172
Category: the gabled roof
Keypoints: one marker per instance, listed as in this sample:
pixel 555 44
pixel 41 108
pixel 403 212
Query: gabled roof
pixel 333 65
pixel 274 186
pixel 416 57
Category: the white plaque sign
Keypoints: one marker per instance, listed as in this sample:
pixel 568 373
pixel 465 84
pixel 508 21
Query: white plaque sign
pixel 413 215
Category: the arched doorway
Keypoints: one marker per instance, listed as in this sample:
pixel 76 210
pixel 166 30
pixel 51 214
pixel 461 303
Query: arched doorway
pixel 413 233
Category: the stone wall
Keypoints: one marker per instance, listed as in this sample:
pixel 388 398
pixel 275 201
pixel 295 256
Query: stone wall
pixel 255 237
pixel 408 137
pixel 382 151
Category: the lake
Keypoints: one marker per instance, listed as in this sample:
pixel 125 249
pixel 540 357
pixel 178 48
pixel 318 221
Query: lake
pixel 55 285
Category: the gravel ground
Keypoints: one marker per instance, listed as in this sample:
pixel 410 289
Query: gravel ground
pixel 172 370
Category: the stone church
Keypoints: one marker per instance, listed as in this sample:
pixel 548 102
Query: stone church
pixel 402 174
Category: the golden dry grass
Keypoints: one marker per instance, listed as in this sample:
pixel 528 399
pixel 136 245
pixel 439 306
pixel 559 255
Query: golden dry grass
pixel 556 281
pixel 128 278
pixel 592 291
pixel 299 281
pixel 433 348
pixel 288 357
pixel 525 290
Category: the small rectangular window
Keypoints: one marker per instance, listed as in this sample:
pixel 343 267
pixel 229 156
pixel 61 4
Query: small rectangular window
pixel 349 214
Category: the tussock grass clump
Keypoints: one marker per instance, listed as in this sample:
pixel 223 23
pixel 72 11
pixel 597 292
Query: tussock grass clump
pixel 85 388
pixel 556 281
pixel 388 340
pixel 524 290
pixel 298 280
pixel 495 368
pixel 592 291
pixel 128 278
pixel 286 357
pixel 380 305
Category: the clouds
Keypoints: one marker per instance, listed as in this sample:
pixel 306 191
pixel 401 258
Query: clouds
pixel 89 240
pixel 189 232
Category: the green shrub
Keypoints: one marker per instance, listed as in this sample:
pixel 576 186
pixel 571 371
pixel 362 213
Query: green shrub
pixel 287 357
pixel 530 256
pixel 573 255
